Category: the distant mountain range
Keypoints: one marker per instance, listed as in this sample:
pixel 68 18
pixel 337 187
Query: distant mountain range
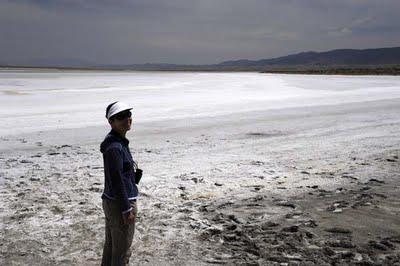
pixel 379 57
pixel 348 58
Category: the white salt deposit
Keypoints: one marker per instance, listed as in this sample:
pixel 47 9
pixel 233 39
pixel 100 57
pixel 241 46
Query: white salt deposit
pixel 34 101
pixel 246 174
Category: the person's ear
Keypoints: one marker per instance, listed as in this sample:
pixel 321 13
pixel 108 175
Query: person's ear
pixel 110 121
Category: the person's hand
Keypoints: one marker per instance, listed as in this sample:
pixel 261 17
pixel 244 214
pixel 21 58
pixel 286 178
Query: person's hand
pixel 129 218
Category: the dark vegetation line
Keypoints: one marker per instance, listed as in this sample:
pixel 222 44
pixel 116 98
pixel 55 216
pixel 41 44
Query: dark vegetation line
pixel 340 71
pixel 392 70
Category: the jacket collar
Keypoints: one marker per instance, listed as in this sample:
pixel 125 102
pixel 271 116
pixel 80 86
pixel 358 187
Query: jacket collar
pixel 124 140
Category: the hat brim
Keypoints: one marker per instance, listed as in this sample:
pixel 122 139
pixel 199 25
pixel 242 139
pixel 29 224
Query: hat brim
pixel 116 108
pixel 119 111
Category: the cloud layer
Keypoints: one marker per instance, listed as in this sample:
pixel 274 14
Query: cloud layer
pixel 187 31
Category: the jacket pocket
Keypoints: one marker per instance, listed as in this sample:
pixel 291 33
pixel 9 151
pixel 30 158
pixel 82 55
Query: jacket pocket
pixel 128 180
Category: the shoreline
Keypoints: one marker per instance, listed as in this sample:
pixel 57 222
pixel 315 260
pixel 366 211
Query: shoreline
pixel 391 70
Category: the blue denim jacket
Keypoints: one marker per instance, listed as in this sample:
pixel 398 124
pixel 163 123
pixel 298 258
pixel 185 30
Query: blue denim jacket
pixel 119 171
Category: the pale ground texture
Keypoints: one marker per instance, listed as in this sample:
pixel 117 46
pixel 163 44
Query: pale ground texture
pixel 310 185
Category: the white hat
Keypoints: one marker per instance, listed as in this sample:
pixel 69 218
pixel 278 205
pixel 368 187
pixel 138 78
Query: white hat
pixel 116 108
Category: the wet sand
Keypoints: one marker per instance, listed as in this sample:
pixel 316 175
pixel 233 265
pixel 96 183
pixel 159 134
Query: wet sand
pixel 301 186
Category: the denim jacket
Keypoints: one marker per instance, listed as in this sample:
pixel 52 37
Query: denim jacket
pixel 119 171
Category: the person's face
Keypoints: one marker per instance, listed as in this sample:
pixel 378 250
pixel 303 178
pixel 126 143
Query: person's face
pixel 122 122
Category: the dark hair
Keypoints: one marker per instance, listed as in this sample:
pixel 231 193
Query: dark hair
pixel 109 107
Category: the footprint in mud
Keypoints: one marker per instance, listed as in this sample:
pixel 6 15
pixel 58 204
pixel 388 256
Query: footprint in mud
pixel 284 203
pixel 374 181
pixel 57 210
pixel 338 206
pixel 258 163
pixel 338 230
pixel 348 176
pixel 266 134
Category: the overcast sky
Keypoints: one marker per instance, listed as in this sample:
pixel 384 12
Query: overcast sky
pixel 190 31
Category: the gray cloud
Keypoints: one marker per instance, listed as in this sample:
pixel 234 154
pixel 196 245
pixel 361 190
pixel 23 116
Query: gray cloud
pixel 187 31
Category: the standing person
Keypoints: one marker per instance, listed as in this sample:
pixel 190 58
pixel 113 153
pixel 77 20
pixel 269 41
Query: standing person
pixel 120 190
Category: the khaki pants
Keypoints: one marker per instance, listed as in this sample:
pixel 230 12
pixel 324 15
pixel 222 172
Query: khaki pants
pixel 119 236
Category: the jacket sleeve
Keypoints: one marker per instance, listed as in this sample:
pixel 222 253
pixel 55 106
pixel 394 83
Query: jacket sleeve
pixel 115 163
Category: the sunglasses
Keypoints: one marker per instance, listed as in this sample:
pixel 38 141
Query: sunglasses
pixel 122 115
